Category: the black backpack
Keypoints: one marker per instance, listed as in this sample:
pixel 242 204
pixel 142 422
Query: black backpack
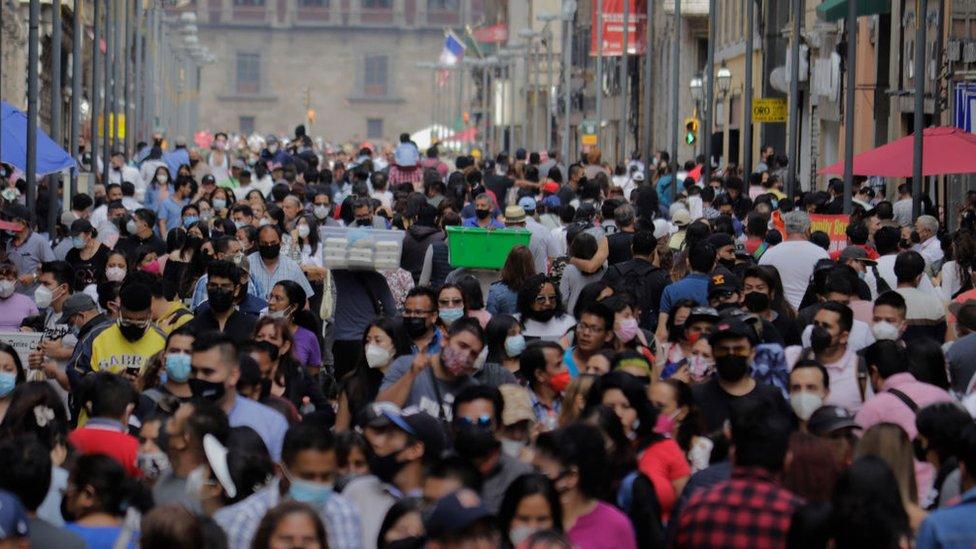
pixel 642 280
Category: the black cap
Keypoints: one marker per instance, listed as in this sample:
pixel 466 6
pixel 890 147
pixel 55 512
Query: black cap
pixel 828 419
pixel 732 328
pixel 208 179
pixel 79 226
pixel 721 283
pixel 719 240
pixel 455 512
pixel 17 212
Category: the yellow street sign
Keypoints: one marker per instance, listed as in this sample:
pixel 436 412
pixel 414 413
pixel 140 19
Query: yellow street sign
pixel 588 139
pixel 769 109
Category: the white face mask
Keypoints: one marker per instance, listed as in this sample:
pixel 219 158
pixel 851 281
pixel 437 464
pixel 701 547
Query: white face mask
pixel 115 274
pixel 162 178
pixel 195 482
pixel 512 448
pixel 804 404
pixel 43 297
pixel 321 211
pixel 519 534
pixel 885 330
pixel 7 288
pixel 376 356
pixel 303 231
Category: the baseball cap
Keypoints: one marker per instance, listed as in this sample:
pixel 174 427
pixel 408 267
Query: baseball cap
pixel 518 404
pixel 217 458
pixel 77 303
pixel 662 228
pixel 719 240
pixel 208 180
pixel 79 226
pixel 965 313
pixel 702 313
pixel 13 517
pixel 858 253
pixel 17 212
pixel 419 425
pixel 550 187
pixel 527 203
pixel 732 328
pixel 552 201
pixel 721 283
pixel 514 214
pixel 681 218
pixel 68 217
pixel 454 513
pixel 830 418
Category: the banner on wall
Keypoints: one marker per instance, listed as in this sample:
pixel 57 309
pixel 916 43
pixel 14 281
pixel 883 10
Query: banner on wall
pixel 613 28
pixel 834 225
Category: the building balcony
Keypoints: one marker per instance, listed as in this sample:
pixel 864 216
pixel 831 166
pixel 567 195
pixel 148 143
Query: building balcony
pixel 414 14
pixel 689 8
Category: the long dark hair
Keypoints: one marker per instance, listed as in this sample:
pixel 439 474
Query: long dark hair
pixel 867 507
pixel 21 375
pixel 296 296
pixel 530 290
pixel 362 382
pixel 636 394
pixel 495 333
pixel 692 425
pixel 114 492
pixel 529 484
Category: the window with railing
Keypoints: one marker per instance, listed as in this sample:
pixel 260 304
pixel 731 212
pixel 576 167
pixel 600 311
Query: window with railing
pixel 249 9
pixel 377 11
pixel 443 12
pixel 376 76
pixel 248 78
pixel 313 10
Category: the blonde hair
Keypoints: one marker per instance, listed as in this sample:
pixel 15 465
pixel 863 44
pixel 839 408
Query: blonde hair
pixel 890 442
pixel 577 389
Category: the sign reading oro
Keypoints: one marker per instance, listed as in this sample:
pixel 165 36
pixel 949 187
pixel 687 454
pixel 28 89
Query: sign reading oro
pixel 769 109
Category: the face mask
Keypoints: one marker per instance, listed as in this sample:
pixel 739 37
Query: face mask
pixel 456 362
pixel 731 368
pixel 162 178
pixel 219 203
pixel 416 326
pixel 190 220
pixel 514 345
pixel 114 274
pixel 269 251
pixel 475 441
pixel 195 482
pixel 313 493
pixel 450 316
pixel 152 267
pixel 78 242
pixel 239 224
pixel 376 356
pixel 482 214
pixel 220 300
pixel 303 231
pixel 627 331
pixel 692 337
pixel 386 467
pixel 178 367
pixel 512 448
pixel 131 226
pixel 804 404
pixel 820 339
pixel 194 242
pixel 7 288
pixel 755 302
pixel 544 315
pixel 131 332
pixel 7 382
pixel 274 314
pixel 272 149
pixel 43 297
pixel 885 330
pixel 364 222
pixel 560 381
pixel 153 464
pixel 321 212
pixel 915 237
pixel 209 390
pixel 698 366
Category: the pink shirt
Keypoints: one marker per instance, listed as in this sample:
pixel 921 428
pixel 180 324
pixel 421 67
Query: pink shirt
pixel 845 390
pixel 603 527
pixel 886 407
pixel 13 310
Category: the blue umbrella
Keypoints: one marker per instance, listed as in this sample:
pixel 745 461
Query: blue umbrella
pixel 13 144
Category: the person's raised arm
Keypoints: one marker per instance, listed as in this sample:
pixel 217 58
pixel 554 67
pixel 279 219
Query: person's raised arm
pixel 592 265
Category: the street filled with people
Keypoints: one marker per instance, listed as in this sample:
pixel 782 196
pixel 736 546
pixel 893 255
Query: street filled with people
pixel 281 342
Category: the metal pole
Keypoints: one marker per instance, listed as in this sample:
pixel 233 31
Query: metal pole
pixel 139 102
pixel 675 77
pixel 33 44
pixel 528 138
pixel 567 75
pixel 849 104
pixel 55 179
pixel 127 77
pixel 647 107
pixel 93 98
pixel 624 86
pixel 116 70
pixel 484 107
pixel 940 36
pixel 747 111
pixel 794 100
pixel 920 12
pixel 108 117
pixel 77 64
pixel 511 106
pixel 599 72
pixel 709 77
pixel 549 101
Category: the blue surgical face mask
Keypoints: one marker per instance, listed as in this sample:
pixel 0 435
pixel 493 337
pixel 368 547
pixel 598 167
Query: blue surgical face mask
pixel 450 316
pixel 7 382
pixel 315 494
pixel 190 220
pixel 219 203
pixel 178 367
pixel 514 345
pixel 78 242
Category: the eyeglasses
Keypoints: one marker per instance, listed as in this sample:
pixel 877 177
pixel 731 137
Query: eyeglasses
pixel 480 421
pixel 543 299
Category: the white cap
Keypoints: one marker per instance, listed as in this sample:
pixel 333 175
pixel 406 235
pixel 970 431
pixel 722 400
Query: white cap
pixel 661 228
pixel 217 458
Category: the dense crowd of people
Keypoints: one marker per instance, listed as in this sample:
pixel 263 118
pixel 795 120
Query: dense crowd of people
pixel 667 361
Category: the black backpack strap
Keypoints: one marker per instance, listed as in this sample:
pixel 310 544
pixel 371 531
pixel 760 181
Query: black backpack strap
pixel 905 399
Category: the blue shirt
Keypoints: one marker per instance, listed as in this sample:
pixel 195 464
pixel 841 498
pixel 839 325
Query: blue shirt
pixel 285 269
pixel 101 537
pixel 664 190
pixel 269 424
pixel 473 222
pixel 170 212
pixel 253 302
pixel 951 527
pixel 502 300
pixel 694 287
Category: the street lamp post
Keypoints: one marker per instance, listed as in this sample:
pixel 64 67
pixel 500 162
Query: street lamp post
pixel 849 105
pixel 599 71
pixel 54 179
pixel 919 74
pixel 709 92
pixel 548 18
pixel 794 122
pixel 675 77
pixel 624 87
pixel 695 89
pixel 76 66
pixel 747 110
pixel 568 13
pixel 648 110
pixel 96 80
pixel 32 85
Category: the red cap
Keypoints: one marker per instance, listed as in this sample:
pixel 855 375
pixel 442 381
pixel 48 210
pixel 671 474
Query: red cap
pixel 551 187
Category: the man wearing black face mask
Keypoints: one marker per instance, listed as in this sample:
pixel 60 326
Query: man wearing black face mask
pixel 733 346
pixel 268 267
pixel 223 286
pixel 477 415
pixel 125 346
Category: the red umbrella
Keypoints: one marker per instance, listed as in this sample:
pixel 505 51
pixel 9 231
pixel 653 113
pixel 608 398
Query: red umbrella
pixel 947 150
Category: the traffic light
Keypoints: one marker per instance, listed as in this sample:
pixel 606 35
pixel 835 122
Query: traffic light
pixel 691 125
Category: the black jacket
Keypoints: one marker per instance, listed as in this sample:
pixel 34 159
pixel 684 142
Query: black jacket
pixel 415 244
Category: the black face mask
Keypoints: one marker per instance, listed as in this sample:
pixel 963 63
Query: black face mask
pixel 915 237
pixel 364 222
pixel 208 390
pixel 132 333
pixel 473 442
pixel 544 315
pixel 728 263
pixel 194 242
pixel 416 326
pixel 386 467
pixel 482 214
pixel 731 367
pixel 755 302
pixel 269 251
pixel 220 300
pixel 820 339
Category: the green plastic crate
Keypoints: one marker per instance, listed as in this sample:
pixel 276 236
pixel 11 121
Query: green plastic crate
pixel 477 248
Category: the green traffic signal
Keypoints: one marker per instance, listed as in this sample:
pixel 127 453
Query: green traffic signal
pixel 690 138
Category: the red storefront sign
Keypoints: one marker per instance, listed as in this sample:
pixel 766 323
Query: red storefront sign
pixel 613 27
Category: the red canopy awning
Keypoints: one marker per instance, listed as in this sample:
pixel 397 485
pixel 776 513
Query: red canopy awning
pixel 946 150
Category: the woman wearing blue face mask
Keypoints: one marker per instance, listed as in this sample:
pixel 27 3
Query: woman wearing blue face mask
pixel 87 256
pixel 163 385
pixel 11 375
pixel 450 305
pixel 505 343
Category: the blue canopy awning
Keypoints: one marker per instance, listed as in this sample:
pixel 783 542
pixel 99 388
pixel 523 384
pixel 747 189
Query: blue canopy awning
pixel 51 158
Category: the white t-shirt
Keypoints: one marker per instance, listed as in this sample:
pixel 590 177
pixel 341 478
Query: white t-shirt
pixel 548 331
pixel 795 260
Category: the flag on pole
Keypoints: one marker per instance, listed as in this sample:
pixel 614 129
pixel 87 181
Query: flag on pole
pixel 450 56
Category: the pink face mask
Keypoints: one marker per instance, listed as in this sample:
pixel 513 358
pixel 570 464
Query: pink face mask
pixel 627 331
pixel 152 267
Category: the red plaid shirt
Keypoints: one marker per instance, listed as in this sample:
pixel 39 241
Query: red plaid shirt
pixel 749 511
